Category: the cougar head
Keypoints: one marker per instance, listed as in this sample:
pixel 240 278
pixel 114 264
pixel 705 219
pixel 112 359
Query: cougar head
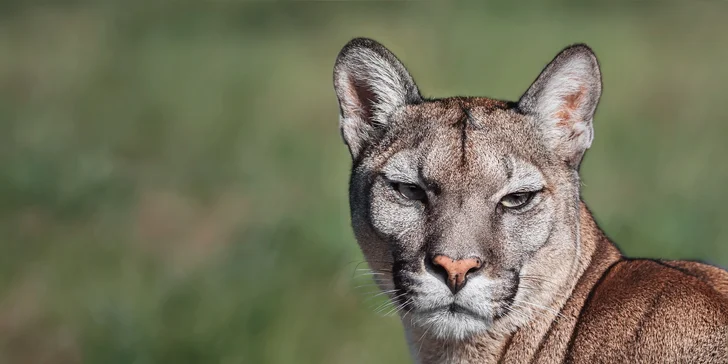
pixel 468 207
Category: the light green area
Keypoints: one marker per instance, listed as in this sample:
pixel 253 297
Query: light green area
pixel 173 188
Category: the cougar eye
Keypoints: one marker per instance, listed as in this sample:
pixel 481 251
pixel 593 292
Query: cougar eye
pixel 410 191
pixel 517 200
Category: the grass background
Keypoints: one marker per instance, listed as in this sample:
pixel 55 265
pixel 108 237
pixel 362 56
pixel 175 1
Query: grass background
pixel 173 188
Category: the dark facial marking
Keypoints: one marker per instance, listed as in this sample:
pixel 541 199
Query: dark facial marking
pixel 463 137
pixel 508 166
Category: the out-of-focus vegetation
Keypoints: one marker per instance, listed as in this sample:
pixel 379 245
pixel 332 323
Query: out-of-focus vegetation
pixel 173 188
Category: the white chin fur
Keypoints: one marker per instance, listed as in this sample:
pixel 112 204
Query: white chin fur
pixel 432 308
pixel 447 325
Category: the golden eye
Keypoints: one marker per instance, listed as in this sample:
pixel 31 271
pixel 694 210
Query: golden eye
pixel 410 191
pixel 517 200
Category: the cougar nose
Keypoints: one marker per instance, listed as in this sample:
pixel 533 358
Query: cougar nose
pixel 455 271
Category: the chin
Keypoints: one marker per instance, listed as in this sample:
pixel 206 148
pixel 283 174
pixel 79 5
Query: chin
pixel 453 323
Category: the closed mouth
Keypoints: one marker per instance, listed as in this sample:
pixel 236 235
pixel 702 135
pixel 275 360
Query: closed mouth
pixel 455 309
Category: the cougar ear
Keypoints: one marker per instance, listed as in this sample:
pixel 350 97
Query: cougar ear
pixel 563 99
pixel 370 83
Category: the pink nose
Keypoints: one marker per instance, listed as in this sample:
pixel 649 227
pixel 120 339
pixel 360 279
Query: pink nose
pixel 456 270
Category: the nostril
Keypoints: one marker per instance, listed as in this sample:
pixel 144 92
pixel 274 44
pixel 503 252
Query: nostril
pixel 439 267
pixel 475 266
pixel 433 264
pixel 442 264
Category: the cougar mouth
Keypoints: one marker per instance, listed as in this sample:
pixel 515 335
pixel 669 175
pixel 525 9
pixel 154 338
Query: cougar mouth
pixel 432 306
pixel 453 309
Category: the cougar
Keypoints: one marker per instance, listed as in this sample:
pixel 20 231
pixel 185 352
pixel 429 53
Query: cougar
pixel 468 212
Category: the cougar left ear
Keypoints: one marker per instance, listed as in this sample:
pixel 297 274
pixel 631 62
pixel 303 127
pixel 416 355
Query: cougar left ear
pixel 370 83
pixel 563 99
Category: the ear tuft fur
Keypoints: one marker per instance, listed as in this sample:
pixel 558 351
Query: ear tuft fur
pixel 370 84
pixel 564 99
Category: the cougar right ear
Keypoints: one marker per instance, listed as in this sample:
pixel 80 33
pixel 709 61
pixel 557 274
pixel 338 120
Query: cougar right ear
pixel 370 83
pixel 564 98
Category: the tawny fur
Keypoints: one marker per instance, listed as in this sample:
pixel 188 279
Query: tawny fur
pixel 552 287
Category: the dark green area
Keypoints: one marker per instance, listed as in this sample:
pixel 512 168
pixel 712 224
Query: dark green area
pixel 173 188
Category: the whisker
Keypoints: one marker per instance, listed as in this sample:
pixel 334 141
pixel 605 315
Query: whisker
pixel 374 278
pixel 398 308
pixel 540 279
pixel 373 285
pixel 391 301
pixel 381 306
pixel 518 314
pixel 549 309
pixel 529 312
pixel 374 290
pixel 371 275
pixel 374 293
pixel 391 311
pixel 369 271
pixel 366 285
pixel 382 293
pixel 356 267
pixel 421 340
pixel 372 269
pixel 540 288
pixel 408 310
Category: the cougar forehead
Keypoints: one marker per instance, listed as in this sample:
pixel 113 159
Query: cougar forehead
pixel 456 140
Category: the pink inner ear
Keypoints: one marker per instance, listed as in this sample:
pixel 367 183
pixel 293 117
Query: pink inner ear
pixel 570 106
pixel 364 99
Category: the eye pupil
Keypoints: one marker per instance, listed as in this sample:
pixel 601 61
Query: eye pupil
pixel 410 191
pixel 517 200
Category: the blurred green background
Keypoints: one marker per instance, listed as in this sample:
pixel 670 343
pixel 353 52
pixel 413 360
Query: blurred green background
pixel 173 188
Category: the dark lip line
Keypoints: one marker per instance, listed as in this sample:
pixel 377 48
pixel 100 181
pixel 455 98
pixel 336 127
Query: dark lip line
pixel 455 308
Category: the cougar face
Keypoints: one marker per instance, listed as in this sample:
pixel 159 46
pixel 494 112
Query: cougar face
pixel 466 208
